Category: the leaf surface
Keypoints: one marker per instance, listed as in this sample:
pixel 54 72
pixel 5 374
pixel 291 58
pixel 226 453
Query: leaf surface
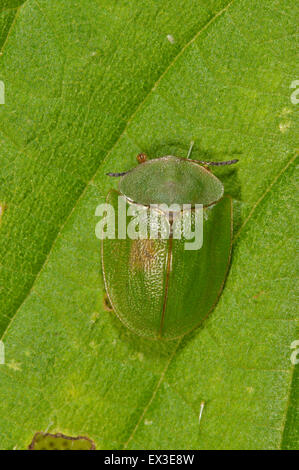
pixel 86 89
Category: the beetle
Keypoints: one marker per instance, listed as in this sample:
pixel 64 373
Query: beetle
pixel 156 287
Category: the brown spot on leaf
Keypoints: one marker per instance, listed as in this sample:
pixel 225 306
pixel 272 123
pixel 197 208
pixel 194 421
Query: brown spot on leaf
pixel 59 441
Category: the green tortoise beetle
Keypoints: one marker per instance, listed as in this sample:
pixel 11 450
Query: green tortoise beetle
pixel 156 287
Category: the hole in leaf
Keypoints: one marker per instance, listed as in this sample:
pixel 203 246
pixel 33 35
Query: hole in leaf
pixel 59 441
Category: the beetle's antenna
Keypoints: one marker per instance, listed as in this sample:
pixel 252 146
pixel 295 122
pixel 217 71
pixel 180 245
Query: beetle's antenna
pixel 190 148
pixel 228 162
pixel 116 175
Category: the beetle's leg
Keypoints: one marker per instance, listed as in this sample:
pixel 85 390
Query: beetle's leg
pixel 116 175
pixel 141 157
pixel 190 148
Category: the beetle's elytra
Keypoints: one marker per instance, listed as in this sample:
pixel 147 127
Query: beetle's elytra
pixel 157 288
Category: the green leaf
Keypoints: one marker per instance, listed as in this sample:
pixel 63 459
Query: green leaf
pixel 88 85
